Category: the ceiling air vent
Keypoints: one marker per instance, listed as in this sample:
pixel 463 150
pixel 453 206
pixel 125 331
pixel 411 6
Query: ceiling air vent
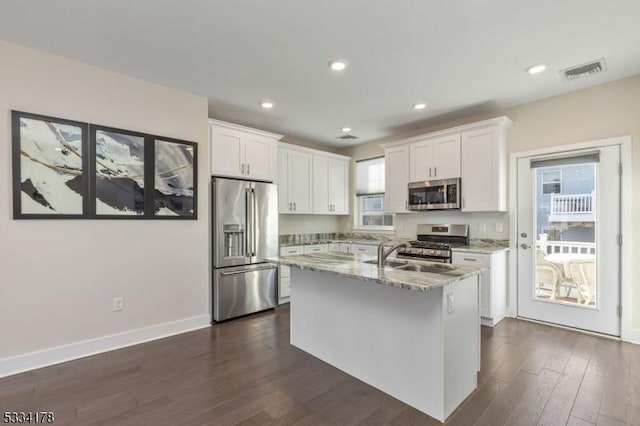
pixel 584 70
pixel 346 137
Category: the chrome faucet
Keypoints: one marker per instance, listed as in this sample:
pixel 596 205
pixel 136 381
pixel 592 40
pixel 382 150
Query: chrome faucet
pixel 382 255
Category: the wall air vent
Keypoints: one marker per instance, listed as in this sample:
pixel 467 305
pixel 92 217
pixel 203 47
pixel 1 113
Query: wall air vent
pixel 346 137
pixel 584 70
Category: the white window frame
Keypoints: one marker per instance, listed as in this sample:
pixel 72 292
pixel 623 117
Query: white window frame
pixel 542 182
pixel 357 225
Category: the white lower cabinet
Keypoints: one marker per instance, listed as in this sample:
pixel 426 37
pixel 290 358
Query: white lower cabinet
pixel 334 246
pixel 315 248
pixel 364 249
pixel 284 273
pixel 493 283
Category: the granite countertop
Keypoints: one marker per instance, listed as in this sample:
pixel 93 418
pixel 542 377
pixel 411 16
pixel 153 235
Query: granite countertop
pixel 347 241
pixel 353 266
pixel 484 247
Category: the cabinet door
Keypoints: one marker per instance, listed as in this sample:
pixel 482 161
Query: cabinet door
pixel 315 248
pixel 284 205
pixel 258 157
pixel 300 178
pixel 481 261
pixel 421 164
pixel 227 152
pixel 321 172
pixel 364 249
pixel 483 182
pixel 339 186
pixel 396 179
pixel 446 157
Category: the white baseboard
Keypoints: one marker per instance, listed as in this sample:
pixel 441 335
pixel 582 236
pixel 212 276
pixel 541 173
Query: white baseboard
pixel 43 358
pixel 634 336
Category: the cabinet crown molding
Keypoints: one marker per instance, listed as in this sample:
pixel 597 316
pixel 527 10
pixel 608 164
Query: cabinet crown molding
pixel 290 146
pixel 219 123
pixel 502 121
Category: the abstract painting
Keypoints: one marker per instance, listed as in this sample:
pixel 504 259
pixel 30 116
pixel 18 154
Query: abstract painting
pixel 175 178
pixel 49 167
pixel 119 172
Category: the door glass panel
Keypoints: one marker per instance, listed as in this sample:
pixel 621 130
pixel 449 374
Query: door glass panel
pixel 565 223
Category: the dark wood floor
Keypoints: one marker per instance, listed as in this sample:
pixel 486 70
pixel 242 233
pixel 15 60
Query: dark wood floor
pixel 245 372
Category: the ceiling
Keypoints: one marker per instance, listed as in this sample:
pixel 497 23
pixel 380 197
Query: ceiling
pixel 461 57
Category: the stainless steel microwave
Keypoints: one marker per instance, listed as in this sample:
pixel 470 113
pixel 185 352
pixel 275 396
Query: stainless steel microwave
pixel 443 194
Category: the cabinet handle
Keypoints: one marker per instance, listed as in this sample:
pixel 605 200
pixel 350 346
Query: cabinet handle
pixel 435 172
pixel 463 202
pixel 470 259
pixel 429 171
pixel 248 168
pixel 294 206
pixel 242 169
pixel 406 205
pixel 290 206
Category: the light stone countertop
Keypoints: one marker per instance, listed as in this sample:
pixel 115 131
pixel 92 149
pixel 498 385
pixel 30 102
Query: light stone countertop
pixel 348 241
pixel 482 248
pixel 353 266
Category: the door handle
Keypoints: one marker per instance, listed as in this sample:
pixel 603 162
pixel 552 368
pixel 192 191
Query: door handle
pixel 524 246
pixel 254 220
pixel 248 220
pixel 244 271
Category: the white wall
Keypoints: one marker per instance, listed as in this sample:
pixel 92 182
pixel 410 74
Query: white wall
pixel 600 112
pixel 58 277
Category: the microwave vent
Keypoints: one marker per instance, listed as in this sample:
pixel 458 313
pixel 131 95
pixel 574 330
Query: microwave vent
pixel 584 70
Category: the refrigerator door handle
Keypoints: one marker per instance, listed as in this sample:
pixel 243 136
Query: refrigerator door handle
pixel 254 220
pixel 249 221
pixel 245 271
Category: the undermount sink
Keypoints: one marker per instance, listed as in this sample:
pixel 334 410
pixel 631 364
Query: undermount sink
pixel 436 268
pixel 390 263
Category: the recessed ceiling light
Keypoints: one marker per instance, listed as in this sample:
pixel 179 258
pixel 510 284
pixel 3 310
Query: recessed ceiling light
pixel 346 129
pixel 266 105
pixel 419 106
pixel 338 64
pixel 535 69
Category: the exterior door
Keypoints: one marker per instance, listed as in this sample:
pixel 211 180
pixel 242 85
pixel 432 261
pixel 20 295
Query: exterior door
pixel 568 239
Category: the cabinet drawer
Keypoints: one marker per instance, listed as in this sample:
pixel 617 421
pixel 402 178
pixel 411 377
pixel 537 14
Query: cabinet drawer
pixel 471 259
pixel 315 248
pixel 364 249
pixel 290 251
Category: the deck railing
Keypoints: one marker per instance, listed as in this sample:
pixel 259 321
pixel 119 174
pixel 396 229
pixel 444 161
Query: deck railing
pixel 572 207
pixel 575 247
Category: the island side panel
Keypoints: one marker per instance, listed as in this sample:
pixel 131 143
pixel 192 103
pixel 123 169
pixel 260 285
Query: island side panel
pixel 390 338
pixel 461 341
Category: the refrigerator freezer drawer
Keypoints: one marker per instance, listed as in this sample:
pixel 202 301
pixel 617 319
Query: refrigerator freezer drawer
pixel 244 290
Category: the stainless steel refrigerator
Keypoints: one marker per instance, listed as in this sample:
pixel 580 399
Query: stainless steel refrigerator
pixel 245 232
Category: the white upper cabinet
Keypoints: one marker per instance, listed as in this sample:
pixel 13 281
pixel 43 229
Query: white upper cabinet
pixel 396 174
pixel 295 182
pixel 484 168
pixel 435 158
pixel 242 152
pixel 312 181
pixel 476 153
pixel 330 185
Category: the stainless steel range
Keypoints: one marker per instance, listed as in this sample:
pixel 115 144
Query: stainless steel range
pixel 434 242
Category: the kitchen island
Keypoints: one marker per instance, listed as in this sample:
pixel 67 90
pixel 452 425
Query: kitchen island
pixel 412 334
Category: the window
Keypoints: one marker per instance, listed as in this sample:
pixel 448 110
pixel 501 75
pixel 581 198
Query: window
pixel 552 182
pixel 370 195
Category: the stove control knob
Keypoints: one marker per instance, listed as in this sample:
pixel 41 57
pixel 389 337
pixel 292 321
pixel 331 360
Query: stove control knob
pixel 438 253
pixel 432 252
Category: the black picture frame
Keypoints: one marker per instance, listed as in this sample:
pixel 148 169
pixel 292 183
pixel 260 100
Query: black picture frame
pixel 46 154
pixel 173 201
pixel 114 189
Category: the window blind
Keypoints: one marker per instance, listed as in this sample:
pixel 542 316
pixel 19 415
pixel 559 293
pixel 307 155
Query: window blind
pixel 370 176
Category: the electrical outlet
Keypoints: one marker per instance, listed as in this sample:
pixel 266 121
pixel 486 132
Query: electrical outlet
pixel 451 308
pixel 118 304
pixel 483 228
pixel 499 227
